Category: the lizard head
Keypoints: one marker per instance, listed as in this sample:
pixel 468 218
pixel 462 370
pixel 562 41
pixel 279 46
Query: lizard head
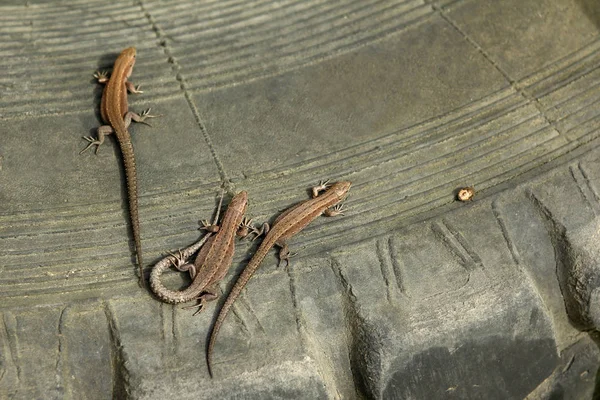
pixel 128 52
pixel 128 56
pixel 341 188
pixel 239 202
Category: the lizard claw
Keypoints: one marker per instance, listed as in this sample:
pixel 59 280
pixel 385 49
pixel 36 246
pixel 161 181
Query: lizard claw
pixel 199 305
pixel 144 115
pixel 92 141
pixel 200 308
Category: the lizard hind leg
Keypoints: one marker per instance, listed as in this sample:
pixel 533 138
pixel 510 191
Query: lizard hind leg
pixel 209 294
pixel 284 253
pixel 179 262
pixel 102 132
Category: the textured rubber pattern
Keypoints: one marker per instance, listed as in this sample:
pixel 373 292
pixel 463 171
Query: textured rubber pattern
pixel 410 294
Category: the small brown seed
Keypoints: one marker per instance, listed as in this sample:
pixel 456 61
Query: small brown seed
pixel 466 194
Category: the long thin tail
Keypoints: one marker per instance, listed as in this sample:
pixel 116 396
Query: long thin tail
pixel 132 194
pixel 241 282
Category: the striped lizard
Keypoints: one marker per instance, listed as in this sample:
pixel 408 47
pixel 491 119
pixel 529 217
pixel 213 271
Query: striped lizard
pixel 115 112
pixel 290 222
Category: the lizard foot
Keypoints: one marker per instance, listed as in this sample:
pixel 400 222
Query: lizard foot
pixel 263 230
pixel 131 116
pixel 323 185
pixel 198 311
pixel 284 256
pixel 245 228
pixel 338 209
pixel 178 262
pixel 101 76
pixel 132 88
pixel 208 227
pixel 92 141
pixel 145 114
pixel 209 295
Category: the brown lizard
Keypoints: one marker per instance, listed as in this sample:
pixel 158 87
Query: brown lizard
pixel 213 260
pixel 115 112
pixel 290 222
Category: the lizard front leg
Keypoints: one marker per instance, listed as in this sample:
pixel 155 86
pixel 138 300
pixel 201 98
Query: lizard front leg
pixel 247 227
pixel 131 88
pixel 102 77
pixel 322 186
pixel 338 209
pixel 208 227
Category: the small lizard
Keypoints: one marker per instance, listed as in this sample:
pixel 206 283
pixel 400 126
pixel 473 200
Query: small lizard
pixel 213 260
pixel 115 112
pixel 290 222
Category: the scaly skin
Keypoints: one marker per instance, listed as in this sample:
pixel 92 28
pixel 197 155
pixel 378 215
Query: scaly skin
pixel 211 264
pixel 115 112
pixel 285 226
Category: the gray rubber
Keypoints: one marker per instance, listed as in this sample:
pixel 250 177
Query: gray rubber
pixel 409 295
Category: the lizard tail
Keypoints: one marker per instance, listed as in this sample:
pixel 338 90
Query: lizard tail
pixel 241 282
pixel 132 194
pixel 179 296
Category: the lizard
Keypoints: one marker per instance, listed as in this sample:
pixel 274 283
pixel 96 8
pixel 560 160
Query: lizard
pixel 290 222
pixel 115 113
pixel 213 260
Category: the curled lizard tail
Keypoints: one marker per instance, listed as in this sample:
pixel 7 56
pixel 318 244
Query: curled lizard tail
pixel 132 194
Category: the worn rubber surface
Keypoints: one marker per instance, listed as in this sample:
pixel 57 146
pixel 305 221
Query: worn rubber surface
pixel 410 294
